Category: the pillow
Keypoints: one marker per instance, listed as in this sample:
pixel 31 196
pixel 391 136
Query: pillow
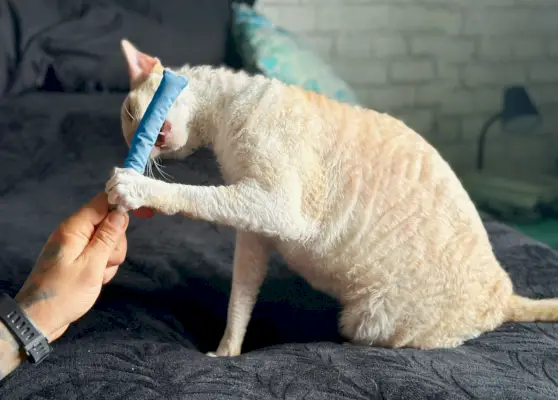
pixel 75 45
pixel 276 53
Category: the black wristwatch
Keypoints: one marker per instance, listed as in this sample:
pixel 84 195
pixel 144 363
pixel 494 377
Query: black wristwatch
pixel 30 338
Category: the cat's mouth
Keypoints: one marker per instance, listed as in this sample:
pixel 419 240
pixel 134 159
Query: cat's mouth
pixel 160 142
pixel 163 133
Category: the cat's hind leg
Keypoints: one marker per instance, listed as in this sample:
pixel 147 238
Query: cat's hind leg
pixel 366 322
pixel 250 267
pixel 373 322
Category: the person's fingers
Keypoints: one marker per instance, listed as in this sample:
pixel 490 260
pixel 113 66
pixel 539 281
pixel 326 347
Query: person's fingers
pixel 109 273
pixel 105 240
pixel 81 225
pixel 119 254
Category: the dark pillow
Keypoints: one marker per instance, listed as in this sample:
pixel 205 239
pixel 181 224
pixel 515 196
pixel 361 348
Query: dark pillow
pixel 75 46
pixel 8 50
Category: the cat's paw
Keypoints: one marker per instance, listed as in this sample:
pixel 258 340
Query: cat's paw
pixel 223 353
pixel 128 189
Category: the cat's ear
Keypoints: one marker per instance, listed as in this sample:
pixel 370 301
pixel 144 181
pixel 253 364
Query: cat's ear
pixel 140 65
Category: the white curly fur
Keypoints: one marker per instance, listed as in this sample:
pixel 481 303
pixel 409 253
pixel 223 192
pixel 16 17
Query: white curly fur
pixel 355 201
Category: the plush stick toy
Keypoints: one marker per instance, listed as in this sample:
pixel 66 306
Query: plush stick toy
pixel 148 129
pixel 150 125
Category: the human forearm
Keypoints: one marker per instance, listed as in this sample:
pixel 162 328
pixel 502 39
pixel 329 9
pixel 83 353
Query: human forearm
pixel 11 350
pixel 10 354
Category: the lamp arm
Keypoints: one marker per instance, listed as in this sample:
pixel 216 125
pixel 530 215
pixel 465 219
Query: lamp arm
pixel 482 139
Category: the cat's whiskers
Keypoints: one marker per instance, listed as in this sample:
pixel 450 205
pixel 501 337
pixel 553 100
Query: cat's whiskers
pixel 128 112
pixel 149 168
pixel 159 167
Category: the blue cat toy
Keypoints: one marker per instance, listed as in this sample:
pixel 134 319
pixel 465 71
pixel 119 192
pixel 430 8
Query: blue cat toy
pixel 148 129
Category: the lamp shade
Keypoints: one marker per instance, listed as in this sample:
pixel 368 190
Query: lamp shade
pixel 518 114
pixel 518 105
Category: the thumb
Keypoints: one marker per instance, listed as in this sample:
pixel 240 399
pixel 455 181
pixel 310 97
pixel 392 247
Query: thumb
pixel 106 238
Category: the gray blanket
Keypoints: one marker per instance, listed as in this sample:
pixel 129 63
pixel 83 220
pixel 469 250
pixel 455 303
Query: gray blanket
pixel 146 336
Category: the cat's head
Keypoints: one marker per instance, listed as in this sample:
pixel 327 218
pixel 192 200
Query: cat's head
pixel 145 73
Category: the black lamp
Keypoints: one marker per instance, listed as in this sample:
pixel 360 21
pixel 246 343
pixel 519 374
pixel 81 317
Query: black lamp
pixel 517 105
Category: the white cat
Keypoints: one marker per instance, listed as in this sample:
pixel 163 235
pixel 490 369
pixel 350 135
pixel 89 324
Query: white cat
pixel 355 201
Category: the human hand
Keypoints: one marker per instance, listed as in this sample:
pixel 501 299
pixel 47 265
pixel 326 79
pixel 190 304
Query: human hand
pixel 81 255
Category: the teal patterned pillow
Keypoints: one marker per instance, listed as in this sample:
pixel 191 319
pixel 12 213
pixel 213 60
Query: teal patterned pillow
pixel 276 53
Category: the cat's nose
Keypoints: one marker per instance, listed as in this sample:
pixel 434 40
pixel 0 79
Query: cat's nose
pixel 166 128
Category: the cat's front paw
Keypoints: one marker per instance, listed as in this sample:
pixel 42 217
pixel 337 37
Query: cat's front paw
pixel 225 350
pixel 128 189
pixel 223 353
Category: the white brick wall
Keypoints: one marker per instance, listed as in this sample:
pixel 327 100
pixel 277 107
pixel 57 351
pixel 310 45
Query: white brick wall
pixel 440 65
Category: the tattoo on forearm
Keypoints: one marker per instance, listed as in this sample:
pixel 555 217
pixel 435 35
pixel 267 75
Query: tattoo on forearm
pixel 31 293
pixel 50 256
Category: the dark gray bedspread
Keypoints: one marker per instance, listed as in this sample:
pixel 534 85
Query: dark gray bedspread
pixel 146 336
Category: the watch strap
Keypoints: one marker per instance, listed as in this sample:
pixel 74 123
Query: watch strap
pixel 30 338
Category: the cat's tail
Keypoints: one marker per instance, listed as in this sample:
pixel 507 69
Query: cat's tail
pixel 522 309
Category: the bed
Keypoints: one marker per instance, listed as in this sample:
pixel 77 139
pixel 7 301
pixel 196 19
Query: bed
pixel 147 335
